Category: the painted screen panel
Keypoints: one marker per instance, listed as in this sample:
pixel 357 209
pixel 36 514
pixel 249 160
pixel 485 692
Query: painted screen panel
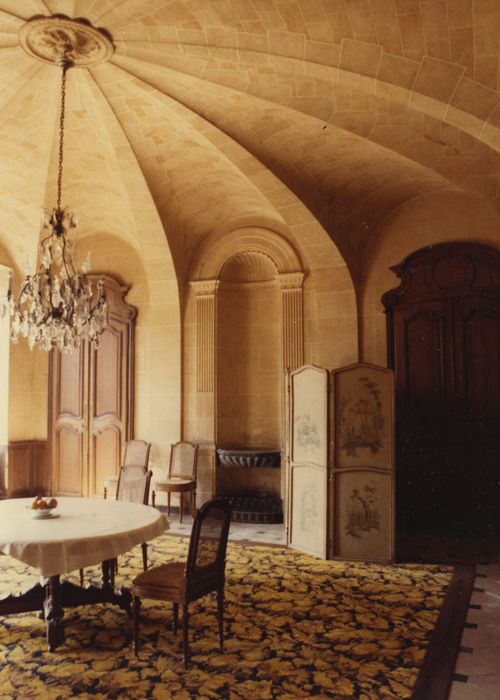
pixel 308 509
pixel 309 416
pixel 363 409
pixel 363 515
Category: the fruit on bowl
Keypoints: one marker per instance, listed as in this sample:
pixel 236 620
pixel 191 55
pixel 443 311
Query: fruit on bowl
pixel 42 507
pixel 41 504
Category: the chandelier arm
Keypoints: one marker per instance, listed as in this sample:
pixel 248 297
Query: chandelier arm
pixel 68 266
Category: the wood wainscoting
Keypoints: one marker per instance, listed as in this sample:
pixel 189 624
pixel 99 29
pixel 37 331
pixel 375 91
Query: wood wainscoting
pixel 25 468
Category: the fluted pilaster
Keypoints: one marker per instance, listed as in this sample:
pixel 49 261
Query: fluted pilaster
pixel 205 291
pixel 293 319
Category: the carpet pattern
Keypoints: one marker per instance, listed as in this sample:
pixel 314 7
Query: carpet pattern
pixel 296 627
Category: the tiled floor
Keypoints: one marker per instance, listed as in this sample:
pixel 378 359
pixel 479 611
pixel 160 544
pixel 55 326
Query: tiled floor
pixel 267 534
pixel 478 664
pixel 477 671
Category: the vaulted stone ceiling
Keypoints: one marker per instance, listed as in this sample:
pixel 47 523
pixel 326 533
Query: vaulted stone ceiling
pixel 214 114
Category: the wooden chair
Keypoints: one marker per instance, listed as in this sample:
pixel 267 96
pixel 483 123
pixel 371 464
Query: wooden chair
pixel 184 582
pixel 181 477
pixel 132 486
pixel 136 452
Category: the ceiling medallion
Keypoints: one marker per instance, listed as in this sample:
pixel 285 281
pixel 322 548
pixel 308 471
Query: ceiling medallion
pixel 49 38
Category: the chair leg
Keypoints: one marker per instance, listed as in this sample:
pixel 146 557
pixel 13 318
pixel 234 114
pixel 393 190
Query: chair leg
pixel 153 498
pixel 185 623
pixel 220 616
pixel 175 623
pixel 144 556
pixel 181 505
pixel 168 505
pixel 193 502
pixel 81 578
pixel 105 492
pixel 137 615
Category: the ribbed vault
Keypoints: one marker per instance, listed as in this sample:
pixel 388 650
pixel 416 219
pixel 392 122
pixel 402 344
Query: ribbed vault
pixel 354 108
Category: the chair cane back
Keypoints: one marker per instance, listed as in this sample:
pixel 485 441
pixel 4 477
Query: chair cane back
pixel 136 452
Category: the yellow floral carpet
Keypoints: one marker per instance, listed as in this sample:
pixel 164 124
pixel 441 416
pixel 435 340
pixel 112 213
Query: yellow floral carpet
pixel 296 627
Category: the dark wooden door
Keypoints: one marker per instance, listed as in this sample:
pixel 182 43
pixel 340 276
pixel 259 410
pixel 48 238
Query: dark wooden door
pixel 444 345
pixel 91 404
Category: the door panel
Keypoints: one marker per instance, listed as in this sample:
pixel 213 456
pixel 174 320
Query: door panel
pixel 107 449
pixel 70 392
pixel 478 395
pixel 68 412
pixel 421 395
pixel 70 451
pixel 109 406
pixel 107 375
pixel 422 362
pixel 480 330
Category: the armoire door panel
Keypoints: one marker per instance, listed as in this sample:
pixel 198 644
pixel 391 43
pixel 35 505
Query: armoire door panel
pixel 422 356
pixel 107 452
pixel 67 410
pixel 70 391
pixel 107 374
pixel 69 450
pixel 480 370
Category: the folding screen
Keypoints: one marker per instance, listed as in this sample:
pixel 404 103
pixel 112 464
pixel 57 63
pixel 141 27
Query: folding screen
pixel 339 457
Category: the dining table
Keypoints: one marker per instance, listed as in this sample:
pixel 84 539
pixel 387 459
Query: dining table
pixel 79 532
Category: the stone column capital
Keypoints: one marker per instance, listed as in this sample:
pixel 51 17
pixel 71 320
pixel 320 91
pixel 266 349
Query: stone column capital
pixel 291 280
pixel 204 288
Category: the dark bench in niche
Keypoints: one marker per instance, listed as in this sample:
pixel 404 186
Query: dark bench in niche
pixel 250 479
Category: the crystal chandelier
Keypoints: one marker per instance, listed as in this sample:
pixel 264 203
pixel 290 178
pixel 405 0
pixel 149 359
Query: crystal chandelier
pixel 58 307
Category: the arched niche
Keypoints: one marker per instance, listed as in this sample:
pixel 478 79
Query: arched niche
pixel 247 289
pixel 248 353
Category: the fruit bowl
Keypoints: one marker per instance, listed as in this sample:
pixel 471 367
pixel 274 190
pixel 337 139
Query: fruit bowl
pixel 42 508
pixel 41 513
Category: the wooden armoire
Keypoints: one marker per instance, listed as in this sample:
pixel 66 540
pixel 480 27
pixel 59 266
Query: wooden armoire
pixel 91 403
pixel 443 325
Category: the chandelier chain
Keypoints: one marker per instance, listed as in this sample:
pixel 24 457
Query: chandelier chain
pixel 61 135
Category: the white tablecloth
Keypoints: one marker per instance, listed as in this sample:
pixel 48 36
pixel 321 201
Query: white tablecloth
pixel 87 532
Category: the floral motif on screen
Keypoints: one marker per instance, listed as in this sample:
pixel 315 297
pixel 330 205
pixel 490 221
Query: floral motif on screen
pixel 361 421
